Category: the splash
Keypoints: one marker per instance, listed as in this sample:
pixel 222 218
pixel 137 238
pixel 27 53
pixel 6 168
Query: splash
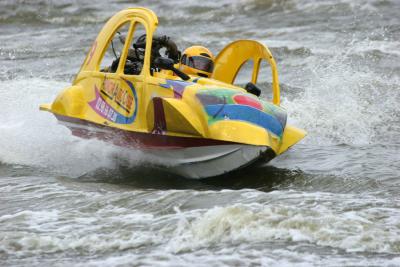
pixel 30 137
pixel 346 101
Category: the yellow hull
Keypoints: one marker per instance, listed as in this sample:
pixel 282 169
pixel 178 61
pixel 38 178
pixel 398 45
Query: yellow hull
pixel 155 109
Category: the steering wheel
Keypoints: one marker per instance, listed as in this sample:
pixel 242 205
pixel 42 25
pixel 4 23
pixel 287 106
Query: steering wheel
pixel 132 66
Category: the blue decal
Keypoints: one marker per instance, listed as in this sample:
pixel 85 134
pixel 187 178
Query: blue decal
pixel 177 86
pixel 247 114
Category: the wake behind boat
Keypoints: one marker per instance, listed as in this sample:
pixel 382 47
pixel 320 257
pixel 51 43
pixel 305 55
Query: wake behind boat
pixel 196 126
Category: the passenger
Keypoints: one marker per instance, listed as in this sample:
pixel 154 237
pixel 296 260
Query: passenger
pixel 197 60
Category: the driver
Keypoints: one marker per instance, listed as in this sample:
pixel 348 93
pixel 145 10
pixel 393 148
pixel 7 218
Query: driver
pixel 135 57
pixel 197 60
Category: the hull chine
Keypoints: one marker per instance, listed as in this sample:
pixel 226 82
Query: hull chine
pixel 193 158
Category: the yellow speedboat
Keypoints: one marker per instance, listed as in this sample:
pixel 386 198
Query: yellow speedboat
pixel 194 126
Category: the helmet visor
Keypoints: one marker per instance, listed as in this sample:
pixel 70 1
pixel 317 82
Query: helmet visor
pixel 201 63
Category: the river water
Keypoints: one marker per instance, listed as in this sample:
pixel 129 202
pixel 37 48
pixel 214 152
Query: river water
pixel 332 200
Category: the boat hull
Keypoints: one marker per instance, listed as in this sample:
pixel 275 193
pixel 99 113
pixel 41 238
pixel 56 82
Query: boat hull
pixel 193 158
pixel 209 161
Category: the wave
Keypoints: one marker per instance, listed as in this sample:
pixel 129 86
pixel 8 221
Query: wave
pixel 43 12
pixel 354 230
pixel 122 221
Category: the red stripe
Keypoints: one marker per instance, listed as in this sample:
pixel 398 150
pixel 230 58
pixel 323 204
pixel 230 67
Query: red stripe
pixel 135 139
pixel 160 125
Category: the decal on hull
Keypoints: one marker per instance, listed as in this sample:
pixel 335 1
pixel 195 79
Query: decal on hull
pixel 225 104
pixel 178 87
pixel 103 108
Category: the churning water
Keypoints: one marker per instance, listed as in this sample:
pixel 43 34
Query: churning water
pixel 332 200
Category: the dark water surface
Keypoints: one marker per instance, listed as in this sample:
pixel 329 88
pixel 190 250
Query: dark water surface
pixel 332 200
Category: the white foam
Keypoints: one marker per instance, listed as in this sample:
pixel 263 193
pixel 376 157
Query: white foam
pixel 231 234
pixel 31 137
pixel 344 102
pixel 53 231
pixel 321 225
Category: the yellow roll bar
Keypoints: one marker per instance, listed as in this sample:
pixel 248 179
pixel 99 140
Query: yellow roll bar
pixel 233 56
